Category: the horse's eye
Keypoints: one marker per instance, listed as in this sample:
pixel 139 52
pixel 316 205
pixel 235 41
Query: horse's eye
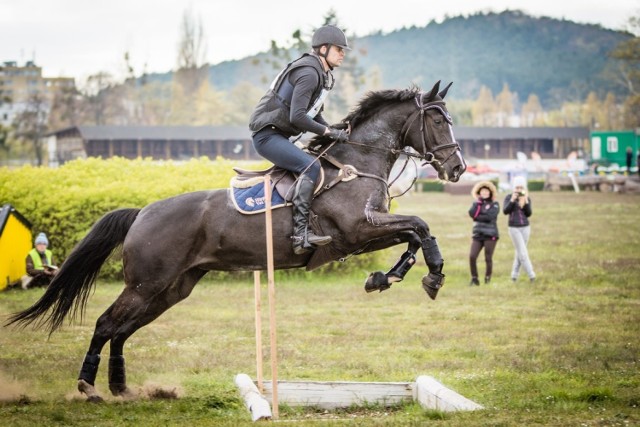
pixel 438 121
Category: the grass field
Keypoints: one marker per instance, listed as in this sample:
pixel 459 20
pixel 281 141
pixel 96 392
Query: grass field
pixel 562 352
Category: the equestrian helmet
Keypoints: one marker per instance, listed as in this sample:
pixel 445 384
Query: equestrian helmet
pixel 330 34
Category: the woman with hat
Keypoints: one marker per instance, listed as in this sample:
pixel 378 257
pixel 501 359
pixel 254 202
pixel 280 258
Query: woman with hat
pixel 484 212
pixel 518 206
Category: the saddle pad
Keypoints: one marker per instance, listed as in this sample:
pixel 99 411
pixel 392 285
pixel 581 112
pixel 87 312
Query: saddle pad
pixel 250 200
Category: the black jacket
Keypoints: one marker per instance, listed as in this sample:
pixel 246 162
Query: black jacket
pixel 518 217
pixel 291 96
pixel 485 216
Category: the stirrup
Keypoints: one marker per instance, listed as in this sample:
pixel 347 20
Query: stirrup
pixel 315 240
pixel 301 245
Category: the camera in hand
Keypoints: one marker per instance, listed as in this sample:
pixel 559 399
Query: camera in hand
pixel 521 193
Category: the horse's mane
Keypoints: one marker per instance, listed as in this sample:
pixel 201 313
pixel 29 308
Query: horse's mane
pixel 373 101
pixel 369 105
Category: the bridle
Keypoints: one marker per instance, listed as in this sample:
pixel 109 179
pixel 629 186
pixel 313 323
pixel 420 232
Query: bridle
pixel 428 157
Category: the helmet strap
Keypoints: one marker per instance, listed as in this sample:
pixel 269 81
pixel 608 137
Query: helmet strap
pixel 326 54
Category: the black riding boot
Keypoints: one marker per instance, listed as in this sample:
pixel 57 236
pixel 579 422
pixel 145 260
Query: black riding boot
pixel 304 240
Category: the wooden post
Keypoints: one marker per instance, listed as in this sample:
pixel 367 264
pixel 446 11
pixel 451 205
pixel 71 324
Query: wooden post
pixel 272 297
pixel 258 314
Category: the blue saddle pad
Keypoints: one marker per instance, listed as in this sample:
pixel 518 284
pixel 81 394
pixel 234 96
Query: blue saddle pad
pixel 251 200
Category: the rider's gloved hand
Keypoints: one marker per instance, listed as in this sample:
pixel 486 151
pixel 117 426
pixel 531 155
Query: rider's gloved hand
pixel 340 135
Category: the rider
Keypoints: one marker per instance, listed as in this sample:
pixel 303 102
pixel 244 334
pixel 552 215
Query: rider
pixel 292 105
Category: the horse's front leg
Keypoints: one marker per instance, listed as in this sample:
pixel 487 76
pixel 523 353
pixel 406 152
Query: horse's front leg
pixel 391 229
pixel 433 281
pixel 379 281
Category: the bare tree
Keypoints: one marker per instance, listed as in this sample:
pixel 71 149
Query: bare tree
pixel 192 49
pixel 31 124
pixel 96 96
pixel 65 109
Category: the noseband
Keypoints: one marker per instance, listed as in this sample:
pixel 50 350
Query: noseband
pixel 427 156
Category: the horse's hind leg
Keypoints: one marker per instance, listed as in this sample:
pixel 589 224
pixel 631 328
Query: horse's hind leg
pixel 89 369
pixel 137 313
pixel 106 329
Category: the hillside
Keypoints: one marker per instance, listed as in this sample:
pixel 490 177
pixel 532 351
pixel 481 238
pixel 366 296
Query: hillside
pixel 558 60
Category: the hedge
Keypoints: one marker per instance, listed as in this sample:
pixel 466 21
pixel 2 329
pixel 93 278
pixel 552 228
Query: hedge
pixel 65 202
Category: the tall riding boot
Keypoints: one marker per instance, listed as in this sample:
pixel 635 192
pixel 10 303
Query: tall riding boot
pixel 304 240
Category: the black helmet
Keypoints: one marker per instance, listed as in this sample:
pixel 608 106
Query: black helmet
pixel 329 34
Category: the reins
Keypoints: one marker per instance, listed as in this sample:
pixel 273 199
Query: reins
pixel 348 172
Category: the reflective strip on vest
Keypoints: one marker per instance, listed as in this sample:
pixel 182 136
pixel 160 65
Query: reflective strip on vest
pixel 317 106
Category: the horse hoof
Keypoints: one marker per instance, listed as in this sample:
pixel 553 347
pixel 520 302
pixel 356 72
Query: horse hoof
pixel 377 281
pixel 90 391
pixel 432 283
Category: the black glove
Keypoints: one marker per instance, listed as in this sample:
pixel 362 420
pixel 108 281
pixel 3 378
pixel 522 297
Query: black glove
pixel 339 135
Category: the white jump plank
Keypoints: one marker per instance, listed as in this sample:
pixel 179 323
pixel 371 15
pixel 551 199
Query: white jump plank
pixel 433 395
pixel 340 394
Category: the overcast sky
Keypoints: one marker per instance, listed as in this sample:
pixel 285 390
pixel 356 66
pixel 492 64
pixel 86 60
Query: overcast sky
pixel 77 38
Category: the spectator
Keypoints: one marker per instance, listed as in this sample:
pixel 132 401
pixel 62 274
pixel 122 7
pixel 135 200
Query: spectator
pixel 40 264
pixel 629 159
pixel 518 206
pixel 484 212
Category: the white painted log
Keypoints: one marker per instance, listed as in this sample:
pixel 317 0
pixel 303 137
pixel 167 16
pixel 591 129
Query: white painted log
pixel 433 395
pixel 340 394
pixel 253 400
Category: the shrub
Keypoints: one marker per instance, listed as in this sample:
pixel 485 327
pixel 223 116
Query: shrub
pixel 65 202
pixel 429 185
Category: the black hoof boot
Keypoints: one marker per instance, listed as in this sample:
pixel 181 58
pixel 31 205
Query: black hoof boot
pixel 432 283
pixel 474 282
pixel 487 280
pixel 377 281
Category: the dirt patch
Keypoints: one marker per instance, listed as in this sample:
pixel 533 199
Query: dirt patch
pixel 12 391
pixel 159 392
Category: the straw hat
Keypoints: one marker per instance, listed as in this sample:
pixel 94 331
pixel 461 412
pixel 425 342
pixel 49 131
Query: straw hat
pixel 475 192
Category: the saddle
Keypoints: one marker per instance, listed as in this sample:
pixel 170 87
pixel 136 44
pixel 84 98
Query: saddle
pixel 247 188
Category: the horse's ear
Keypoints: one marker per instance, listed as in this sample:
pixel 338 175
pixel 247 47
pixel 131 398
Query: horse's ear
pixel 444 91
pixel 434 91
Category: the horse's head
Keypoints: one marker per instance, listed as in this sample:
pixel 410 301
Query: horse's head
pixel 429 131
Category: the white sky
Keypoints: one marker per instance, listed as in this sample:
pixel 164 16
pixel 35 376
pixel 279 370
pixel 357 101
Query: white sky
pixel 76 38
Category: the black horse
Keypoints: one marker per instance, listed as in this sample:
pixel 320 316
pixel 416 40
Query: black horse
pixel 170 244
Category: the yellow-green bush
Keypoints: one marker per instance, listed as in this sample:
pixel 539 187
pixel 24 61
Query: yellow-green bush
pixel 65 202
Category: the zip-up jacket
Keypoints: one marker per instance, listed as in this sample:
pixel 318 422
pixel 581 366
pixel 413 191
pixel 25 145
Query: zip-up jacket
pixel 518 217
pixel 485 215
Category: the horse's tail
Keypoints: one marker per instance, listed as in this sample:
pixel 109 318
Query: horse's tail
pixel 77 275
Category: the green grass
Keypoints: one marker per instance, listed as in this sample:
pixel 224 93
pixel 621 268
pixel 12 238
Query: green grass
pixel 564 351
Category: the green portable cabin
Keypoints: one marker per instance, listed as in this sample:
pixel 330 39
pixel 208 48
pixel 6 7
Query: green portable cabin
pixel 610 147
pixel 15 243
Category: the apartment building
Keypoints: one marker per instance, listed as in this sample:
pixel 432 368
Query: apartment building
pixel 18 84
